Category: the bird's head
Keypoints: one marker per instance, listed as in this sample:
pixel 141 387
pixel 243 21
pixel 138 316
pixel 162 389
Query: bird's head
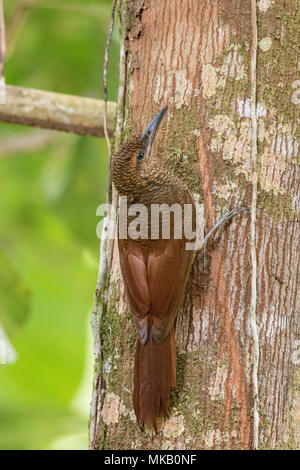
pixel 130 164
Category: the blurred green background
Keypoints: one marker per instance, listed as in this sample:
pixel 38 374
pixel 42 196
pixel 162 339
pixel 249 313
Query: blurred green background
pixel 48 244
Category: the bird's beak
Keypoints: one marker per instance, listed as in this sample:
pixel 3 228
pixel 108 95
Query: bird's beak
pixel 148 135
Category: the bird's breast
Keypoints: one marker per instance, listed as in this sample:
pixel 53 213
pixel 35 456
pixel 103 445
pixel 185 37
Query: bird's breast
pixel 156 215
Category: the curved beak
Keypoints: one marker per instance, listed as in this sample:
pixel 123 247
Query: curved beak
pixel 149 134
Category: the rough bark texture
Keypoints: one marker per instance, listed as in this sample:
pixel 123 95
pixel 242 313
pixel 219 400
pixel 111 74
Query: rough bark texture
pixel 195 57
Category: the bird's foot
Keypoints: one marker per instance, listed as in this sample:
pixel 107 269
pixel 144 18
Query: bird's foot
pixel 222 220
pixel 231 213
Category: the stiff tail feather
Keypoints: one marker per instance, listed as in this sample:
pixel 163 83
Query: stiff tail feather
pixel 154 376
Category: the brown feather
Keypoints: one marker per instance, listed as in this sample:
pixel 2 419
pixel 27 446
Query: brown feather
pixel 155 272
pixel 154 376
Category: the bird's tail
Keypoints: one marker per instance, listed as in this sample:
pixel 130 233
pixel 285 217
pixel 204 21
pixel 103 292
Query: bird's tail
pixel 154 376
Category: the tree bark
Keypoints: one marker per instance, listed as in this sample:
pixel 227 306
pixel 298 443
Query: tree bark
pixel 201 58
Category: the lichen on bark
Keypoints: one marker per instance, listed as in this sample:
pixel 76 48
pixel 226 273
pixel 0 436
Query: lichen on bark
pixel 198 62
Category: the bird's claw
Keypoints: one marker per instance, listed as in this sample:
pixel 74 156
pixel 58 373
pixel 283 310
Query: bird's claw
pixel 222 220
pixel 235 211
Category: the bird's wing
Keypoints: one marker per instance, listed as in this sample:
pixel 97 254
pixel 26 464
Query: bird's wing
pixel 155 284
pixel 168 269
pixel 134 275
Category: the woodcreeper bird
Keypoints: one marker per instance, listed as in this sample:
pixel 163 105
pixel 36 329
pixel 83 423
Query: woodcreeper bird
pixel 155 268
pixel 154 271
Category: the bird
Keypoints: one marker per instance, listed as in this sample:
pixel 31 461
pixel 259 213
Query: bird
pixel 154 269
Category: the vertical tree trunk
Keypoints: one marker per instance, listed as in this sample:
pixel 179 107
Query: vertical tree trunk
pixel 196 57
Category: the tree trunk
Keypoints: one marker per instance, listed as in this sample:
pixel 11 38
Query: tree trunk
pixel 199 57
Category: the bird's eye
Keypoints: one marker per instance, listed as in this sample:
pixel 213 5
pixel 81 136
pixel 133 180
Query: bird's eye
pixel 140 156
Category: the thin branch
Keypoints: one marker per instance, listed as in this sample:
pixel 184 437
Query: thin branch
pixel 83 116
pixel 107 47
pixel 31 141
pixel 253 254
